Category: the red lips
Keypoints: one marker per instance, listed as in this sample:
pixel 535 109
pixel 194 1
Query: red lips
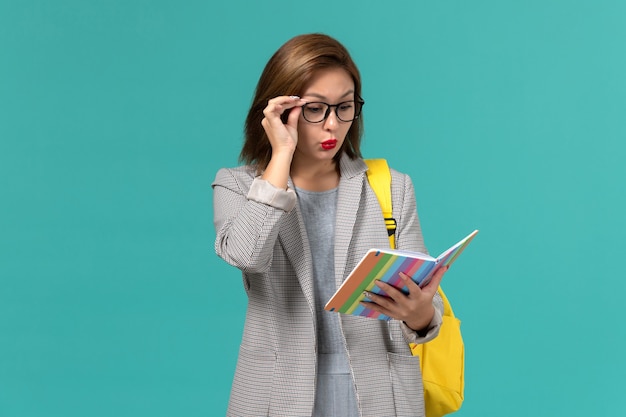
pixel 329 144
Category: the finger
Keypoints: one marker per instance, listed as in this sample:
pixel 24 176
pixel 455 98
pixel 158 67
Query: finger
pixel 431 287
pixel 272 113
pixel 378 299
pixel 294 115
pixel 378 308
pixel 279 109
pixel 278 105
pixel 411 285
pixel 379 303
pixel 392 292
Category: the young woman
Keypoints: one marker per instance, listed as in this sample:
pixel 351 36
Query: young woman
pixel 295 218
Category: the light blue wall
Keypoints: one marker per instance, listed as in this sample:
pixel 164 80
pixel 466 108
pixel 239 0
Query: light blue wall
pixel 115 116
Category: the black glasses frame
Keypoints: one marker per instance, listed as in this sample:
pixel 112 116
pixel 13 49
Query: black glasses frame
pixel 359 102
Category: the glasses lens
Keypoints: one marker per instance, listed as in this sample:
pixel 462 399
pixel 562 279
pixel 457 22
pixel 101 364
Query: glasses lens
pixel 347 111
pixel 314 112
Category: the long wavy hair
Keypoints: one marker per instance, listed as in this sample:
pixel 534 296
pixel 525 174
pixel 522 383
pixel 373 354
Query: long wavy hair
pixel 288 72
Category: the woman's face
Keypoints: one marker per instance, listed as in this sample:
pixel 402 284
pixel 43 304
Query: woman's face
pixel 324 139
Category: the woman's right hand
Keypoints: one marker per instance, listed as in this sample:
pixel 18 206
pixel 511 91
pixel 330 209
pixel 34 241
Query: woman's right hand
pixel 283 136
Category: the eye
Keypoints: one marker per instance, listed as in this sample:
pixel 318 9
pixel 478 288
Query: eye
pixel 346 106
pixel 315 107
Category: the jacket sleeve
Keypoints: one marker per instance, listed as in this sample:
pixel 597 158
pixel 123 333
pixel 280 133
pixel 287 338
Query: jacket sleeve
pixel 246 213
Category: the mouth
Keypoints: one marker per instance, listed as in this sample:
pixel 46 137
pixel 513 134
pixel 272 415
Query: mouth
pixel 329 144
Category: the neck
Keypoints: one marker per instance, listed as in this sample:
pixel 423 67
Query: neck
pixel 315 175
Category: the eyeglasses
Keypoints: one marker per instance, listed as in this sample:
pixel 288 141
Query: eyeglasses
pixel 318 111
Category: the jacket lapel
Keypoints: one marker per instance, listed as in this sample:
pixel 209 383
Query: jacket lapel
pixel 348 203
pixel 292 236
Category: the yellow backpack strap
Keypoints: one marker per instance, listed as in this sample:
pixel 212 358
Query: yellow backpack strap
pixel 379 177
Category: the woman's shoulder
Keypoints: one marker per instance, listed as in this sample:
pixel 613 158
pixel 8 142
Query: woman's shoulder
pixel 243 174
pixel 247 170
pixel 399 175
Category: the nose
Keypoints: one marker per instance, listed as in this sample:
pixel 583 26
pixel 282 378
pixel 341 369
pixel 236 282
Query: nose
pixel 331 120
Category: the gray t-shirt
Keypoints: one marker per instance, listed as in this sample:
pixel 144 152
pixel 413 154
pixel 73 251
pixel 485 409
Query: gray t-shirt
pixel 335 395
pixel 319 211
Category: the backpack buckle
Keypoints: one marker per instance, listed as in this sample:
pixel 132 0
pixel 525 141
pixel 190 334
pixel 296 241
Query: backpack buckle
pixel 391 224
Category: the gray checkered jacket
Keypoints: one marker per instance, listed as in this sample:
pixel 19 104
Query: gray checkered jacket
pixel 260 231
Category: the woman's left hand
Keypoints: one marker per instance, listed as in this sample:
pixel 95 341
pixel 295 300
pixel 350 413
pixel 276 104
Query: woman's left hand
pixel 415 309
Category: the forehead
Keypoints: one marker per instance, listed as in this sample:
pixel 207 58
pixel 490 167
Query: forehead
pixel 330 84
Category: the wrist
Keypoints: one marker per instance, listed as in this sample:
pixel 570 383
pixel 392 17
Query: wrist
pixel 421 322
pixel 277 170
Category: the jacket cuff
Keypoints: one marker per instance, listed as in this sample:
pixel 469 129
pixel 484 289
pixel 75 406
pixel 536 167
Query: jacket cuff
pixel 411 336
pixel 263 192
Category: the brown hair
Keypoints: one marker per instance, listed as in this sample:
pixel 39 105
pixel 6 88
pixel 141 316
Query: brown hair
pixel 288 72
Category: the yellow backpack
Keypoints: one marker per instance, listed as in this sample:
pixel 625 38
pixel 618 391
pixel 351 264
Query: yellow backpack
pixel 442 360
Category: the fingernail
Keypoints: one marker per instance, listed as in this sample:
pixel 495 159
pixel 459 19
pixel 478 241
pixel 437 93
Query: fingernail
pixel 295 97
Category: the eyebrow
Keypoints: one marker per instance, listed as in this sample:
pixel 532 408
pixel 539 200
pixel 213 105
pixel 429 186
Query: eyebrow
pixel 321 97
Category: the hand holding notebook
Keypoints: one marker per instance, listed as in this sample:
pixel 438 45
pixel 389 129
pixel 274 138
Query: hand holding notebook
pixel 385 265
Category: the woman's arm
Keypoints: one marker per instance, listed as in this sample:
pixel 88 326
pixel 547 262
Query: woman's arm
pixel 247 219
